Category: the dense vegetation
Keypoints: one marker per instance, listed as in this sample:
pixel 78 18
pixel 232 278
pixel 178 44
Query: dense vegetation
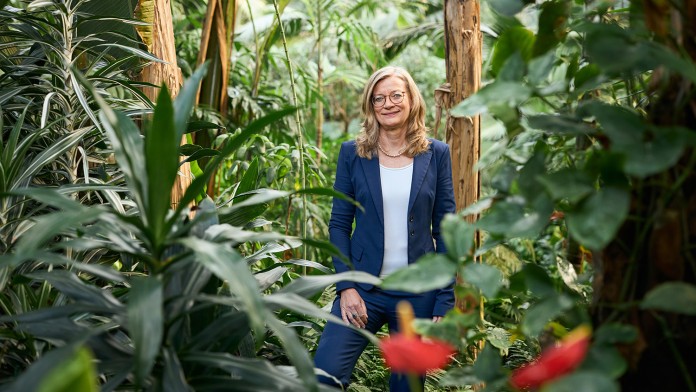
pixel 587 214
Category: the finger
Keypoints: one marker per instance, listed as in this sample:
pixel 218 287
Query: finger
pixel 437 319
pixel 344 316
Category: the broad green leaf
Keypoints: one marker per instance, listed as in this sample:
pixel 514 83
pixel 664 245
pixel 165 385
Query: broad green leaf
pixel 561 124
pixel 459 377
pixel 676 297
pixel 513 219
pixel 76 374
pixel 499 338
pixel 183 104
pixel 430 272
pixel 229 266
pixel 174 377
pixel 48 226
pixel 145 11
pixel 248 183
pixel 161 162
pixel 458 235
pixel 307 286
pixel 145 323
pixel 258 374
pixel 568 184
pixel 74 288
pixel 604 359
pixel 516 39
pixel 597 219
pixel 48 155
pixel 544 311
pixel 507 7
pixel 583 381
pixel 499 93
pixel 485 277
pixel 552 26
pixel 53 362
pixel 488 364
pixel 295 351
pixel 612 333
pixel 301 305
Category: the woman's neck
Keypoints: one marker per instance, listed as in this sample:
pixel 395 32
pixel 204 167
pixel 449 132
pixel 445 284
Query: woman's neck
pixel 394 139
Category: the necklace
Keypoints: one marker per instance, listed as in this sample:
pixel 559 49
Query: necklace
pixel 400 153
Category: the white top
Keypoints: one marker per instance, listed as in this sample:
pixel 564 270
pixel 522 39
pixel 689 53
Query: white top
pixel 396 189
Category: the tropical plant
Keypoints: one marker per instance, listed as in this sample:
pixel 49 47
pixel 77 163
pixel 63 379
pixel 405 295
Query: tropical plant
pixel 182 310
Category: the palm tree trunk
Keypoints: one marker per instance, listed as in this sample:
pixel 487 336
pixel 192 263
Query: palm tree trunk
pixel 463 43
pixel 169 73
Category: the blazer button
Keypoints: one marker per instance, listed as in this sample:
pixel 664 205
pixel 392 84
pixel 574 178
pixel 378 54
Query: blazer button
pixel 411 219
pixel 412 233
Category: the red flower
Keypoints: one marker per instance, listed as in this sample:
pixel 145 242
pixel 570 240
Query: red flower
pixel 554 362
pixel 406 353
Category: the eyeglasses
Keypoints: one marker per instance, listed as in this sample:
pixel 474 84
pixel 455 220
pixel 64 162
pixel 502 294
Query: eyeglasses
pixel 396 97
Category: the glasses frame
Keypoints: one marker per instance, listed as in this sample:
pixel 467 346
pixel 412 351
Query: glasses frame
pixel 372 99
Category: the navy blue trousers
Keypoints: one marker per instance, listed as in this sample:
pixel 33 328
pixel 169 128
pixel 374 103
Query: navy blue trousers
pixel 340 347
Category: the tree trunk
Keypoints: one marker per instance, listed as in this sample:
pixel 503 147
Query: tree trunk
pixel 463 43
pixel 216 47
pixel 169 73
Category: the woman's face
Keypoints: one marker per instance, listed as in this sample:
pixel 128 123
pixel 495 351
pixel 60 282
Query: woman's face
pixel 392 115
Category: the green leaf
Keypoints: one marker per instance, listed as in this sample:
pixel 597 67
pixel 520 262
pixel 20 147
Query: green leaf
pixel 488 364
pixel 561 124
pixel 258 374
pixel 613 333
pixel 458 235
pixel 552 26
pixel 248 183
pixel 76 373
pixel 430 272
pixel 676 297
pixel 459 377
pixel 544 311
pixel 516 39
pixel 307 286
pixel 487 278
pixel 596 220
pixel 604 359
pixel 295 351
pixel 198 184
pixel 145 323
pixel 161 162
pixel 48 226
pixel 499 338
pixel 499 93
pixel 53 363
pixel 229 266
pixel 174 378
pixel 185 100
pixel 583 381
pixel 568 184
pixel 330 192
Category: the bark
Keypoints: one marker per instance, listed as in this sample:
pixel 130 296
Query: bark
pixel 463 61
pixel 463 43
pixel 169 73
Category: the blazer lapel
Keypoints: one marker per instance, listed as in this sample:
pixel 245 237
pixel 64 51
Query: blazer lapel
pixel 420 167
pixel 374 183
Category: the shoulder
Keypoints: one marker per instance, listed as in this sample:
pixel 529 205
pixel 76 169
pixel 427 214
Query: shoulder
pixel 437 146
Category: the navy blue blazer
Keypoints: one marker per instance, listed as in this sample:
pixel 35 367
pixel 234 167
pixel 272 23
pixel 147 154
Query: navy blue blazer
pixel 432 196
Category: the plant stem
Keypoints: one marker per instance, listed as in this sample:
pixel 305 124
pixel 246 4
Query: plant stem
pixel 414 383
pixel 300 141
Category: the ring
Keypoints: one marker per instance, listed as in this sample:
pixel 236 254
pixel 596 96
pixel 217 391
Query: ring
pixel 355 315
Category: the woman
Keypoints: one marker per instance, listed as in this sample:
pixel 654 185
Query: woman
pixel 403 180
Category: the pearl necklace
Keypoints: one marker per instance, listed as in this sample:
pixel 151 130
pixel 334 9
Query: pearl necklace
pixel 400 153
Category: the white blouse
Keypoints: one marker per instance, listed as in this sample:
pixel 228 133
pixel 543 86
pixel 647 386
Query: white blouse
pixel 396 189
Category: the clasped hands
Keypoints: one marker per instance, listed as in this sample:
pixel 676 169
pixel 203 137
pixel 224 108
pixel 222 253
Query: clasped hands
pixel 353 310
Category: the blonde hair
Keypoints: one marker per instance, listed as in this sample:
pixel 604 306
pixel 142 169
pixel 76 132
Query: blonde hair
pixel 416 131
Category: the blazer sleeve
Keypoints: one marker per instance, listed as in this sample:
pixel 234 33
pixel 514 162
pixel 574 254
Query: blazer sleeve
pixel 342 213
pixel 444 204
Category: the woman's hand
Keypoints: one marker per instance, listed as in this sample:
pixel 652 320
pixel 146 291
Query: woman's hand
pixel 437 319
pixel 353 308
